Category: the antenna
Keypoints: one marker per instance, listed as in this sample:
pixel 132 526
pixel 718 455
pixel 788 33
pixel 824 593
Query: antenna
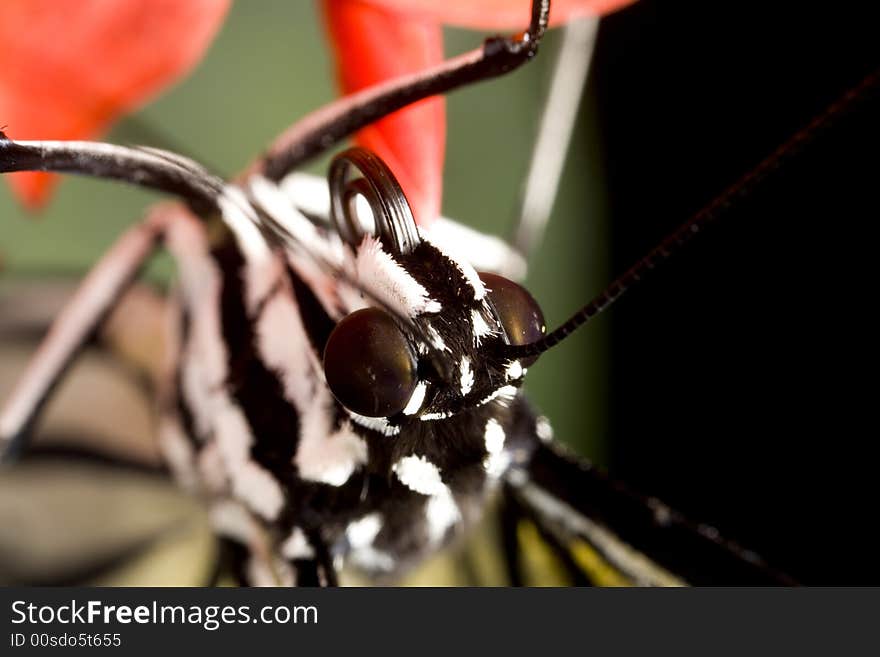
pixel 682 235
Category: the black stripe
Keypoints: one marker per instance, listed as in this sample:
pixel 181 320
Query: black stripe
pixel 181 405
pixel 317 323
pixel 440 276
pixel 306 572
pixel 232 561
pixel 517 513
pixel 257 389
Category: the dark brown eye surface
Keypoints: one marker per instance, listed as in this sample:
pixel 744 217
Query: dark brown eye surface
pixel 369 364
pixel 519 313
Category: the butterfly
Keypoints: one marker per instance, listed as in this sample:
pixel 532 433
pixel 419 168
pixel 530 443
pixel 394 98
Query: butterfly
pixel 586 494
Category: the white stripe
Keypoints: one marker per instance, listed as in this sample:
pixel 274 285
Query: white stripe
pixel 360 535
pixel 203 366
pixel 420 475
pixel 377 424
pixel 428 417
pixel 363 531
pixel 543 429
pixel 493 436
pixel 204 372
pixel 390 283
pixel 441 514
pixel 481 328
pixel 178 453
pixel 251 483
pixel 214 478
pixel 297 546
pixel 238 215
pixel 415 401
pixel 285 349
pixel 259 489
pixel 504 395
pixel 436 340
pixel 514 371
pixel 325 456
pixel 496 461
pixel 466 379
pixel 262 268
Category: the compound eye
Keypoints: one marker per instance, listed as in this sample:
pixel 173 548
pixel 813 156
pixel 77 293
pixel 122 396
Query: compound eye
pixel 369 365
pixel 516 309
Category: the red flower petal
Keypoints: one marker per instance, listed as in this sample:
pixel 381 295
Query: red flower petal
pixel 374 45
pixel 68 69
pixel 375 40
pixel 495 14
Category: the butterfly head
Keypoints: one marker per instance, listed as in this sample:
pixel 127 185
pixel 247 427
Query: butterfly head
pixel 427 340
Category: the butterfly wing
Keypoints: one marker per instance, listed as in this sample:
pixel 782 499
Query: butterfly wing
pixel 601 531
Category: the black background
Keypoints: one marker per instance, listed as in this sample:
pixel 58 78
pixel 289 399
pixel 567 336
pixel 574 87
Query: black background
pixel 744 371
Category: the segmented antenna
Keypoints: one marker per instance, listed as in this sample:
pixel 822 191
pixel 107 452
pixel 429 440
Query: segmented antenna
pixel 693 226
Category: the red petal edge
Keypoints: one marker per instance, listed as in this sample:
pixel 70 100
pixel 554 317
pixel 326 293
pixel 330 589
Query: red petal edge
pixel 70 69
pixel 373 45
pixel 495 14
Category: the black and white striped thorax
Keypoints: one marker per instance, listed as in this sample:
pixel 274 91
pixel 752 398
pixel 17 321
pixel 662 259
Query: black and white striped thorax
pixel 252 423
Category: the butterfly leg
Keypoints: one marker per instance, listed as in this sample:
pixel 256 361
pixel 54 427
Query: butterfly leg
pixel 95 297
pixel 509 517
pixel 315 133
pixel 554 133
